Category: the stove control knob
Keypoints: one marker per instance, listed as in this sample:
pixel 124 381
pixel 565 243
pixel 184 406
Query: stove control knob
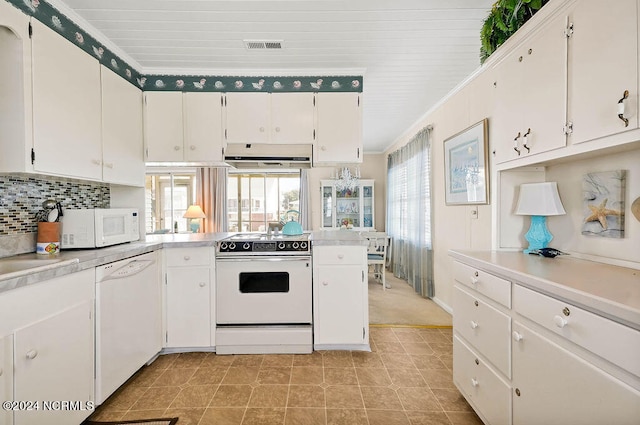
pixel 303 245
pixel 223 246
pixel 281 245
pixel 246 245
pixel 295 245
pixel 232 246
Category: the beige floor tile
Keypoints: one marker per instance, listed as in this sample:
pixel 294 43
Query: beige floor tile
pixel 418 399
pixel 306 396
pixel 464 418
pixel 241 375
pixel 164 361
pixel 397 361
pixel 124 398
pixel 145 377
pixel 187 416
pixel 387 417
pixel 274 375
pixel 143 414
pixel 296 416
pixel 254 360
pixel 208 376
pixel 264 416
pixel 383 335
pixel 418 348
pixel 174 377
pixel 347 417
pixel 156 398
pixel 438 378
pixel 277 360
pixel 215 360
pixel 364 359
pixel 448 332
pixel 407 377
pixel 408 335
pixel 194 396
pixel 441 348
pixel 447 360
pixel 340 376
pixel 269 396
pixel 189 360
pixel 343 397
pixel 451 400
pixel 427 361
pixel 222 416
pixel 313 359
pixel 380 398
pixel 373 377
pixel 107 415
pixel 434 336
pixel 428 418
pixel 309 375
pixel 231 396
pixel 389 347
pixel 337 359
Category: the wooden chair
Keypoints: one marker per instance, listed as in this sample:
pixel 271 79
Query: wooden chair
pixel 377 255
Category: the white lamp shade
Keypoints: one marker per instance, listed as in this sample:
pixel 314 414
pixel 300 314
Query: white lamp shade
pixel 539 199
pixel 194 211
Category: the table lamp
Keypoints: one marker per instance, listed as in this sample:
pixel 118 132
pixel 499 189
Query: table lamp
pixel 539 200
pixel 194 212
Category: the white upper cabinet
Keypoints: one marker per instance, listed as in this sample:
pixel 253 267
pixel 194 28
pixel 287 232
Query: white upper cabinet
pixel 163 126
pixel 281 118
pixel 602 68
pixel 66 107
pixel 203 127
pixel 183 127
pixel 530 106
pixel 292 118
pixel 15 90
pixel 339 128
pixel 122 143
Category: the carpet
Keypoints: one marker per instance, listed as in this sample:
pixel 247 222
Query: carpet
pixel 166 421
pixel 400 305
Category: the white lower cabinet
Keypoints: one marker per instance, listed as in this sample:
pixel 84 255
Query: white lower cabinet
pixel 189 306
pixel 553 386
pixel 47 355
pixel 340 297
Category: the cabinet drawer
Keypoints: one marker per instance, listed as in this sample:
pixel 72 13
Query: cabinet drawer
pixel 484 389
pixel 496 288
pixel 339 255
pixel 484 327
pixel 614 342
pixel 180 257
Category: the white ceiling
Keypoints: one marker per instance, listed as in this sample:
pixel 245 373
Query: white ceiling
pixel 411 52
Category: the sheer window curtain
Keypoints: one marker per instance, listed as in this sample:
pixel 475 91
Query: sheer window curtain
pixel 211 195
pixel 305 202
pixel 409 212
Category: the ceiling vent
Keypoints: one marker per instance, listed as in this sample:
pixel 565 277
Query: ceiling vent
pixel 263 44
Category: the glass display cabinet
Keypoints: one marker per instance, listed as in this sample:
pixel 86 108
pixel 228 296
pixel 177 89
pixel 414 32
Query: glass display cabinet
pixel 349 208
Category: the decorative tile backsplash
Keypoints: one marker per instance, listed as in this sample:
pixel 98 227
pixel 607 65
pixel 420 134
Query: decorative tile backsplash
pixel 21 198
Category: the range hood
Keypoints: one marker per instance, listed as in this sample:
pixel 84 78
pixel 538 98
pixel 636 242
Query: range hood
pixel 263 155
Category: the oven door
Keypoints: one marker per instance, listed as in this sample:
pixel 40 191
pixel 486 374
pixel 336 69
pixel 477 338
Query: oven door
pixel 263 290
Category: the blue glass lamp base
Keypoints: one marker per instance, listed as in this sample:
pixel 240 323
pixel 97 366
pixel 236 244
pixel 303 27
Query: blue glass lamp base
pixel 195 226
pixel 538 235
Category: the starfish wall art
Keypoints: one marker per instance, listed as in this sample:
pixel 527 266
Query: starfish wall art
pixel 604 204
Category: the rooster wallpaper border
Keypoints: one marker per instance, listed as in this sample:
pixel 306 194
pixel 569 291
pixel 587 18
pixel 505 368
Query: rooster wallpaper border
pixel 52 18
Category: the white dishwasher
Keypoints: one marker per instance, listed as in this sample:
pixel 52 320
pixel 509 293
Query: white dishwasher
pixel 128 320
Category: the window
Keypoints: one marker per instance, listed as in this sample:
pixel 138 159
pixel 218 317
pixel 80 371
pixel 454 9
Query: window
pixel 167 197
pixel 263 197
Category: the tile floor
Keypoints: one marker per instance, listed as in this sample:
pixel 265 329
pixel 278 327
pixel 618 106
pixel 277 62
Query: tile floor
pixel 405 380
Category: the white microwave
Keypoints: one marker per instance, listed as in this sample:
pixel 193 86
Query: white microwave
pixel 95 228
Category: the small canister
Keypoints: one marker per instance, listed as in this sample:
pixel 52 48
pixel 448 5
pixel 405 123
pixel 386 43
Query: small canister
pixel 48 241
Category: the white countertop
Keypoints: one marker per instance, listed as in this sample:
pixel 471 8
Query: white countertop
pixel 608 290
pixel 337 237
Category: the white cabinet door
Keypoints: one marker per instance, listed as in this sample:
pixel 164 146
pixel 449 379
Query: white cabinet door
pixel 6 377
pixel 54 362
pixel 552 385
pixel 163 128
pixel 248 117
pixel 339 128
pixel 66 107
pixel 188 309
pixel 122 142
pixel 602 68
pixel 15 90
pixel 340 307
pixel 203 127
pixel 292 118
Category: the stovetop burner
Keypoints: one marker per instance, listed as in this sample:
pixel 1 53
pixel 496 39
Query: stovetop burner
pixel 263 244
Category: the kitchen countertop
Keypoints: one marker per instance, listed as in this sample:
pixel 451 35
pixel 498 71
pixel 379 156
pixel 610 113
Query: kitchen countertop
pixel 337 237
pixel 608 290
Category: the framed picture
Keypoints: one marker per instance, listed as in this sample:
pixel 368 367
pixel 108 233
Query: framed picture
pixel 466 166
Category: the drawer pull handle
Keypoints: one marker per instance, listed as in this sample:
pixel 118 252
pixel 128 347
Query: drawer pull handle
pixel 559 321
pixel 474 382
pixel 32 354
pixel 476 274
pixel 517 336
pixel 477 362
pixel 187 258
pixel 473 324
pixel 566 311
pixel 341 256
pixel 202 284
pixel 325 283
pixel 475 303
pixel 474 281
